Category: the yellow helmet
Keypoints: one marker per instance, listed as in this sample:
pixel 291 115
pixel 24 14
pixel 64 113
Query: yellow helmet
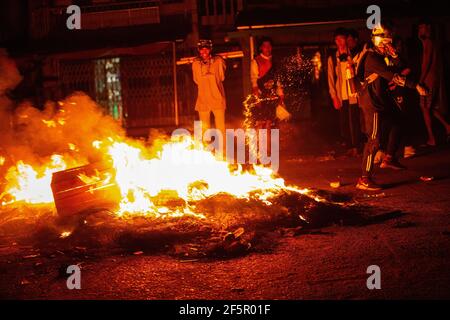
pixel 381 35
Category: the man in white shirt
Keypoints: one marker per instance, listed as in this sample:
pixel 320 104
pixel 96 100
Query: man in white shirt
pixel 209 73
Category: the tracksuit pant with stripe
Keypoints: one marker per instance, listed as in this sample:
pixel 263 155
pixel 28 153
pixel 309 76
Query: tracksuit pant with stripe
pixel 376 124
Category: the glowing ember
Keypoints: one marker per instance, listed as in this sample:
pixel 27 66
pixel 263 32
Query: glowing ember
pixel 65 234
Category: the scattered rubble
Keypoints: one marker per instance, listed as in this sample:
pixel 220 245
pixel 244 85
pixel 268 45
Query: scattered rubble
pixel 231 227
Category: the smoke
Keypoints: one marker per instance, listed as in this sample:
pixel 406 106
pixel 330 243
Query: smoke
pixel 65 129
pixel 9 75
pixel 9 79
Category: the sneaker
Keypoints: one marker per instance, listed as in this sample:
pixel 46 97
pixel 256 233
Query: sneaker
pixel 409 152
pixel 392 164
pixel 379 156
pixel 365 183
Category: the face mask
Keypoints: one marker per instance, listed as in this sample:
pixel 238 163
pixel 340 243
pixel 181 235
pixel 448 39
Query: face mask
pixel 390 50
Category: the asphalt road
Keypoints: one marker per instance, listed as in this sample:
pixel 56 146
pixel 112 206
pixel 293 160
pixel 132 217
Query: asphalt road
pixel 411 249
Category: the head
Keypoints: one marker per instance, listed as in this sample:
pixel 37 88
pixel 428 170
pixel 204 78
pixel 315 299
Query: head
pixel 352 39
pixel 382 39
pixel 265 46
pixel 424 30
pixel 340 38
pixel 204 49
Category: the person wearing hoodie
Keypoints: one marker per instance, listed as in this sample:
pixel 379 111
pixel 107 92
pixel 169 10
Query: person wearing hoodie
pixel 378 104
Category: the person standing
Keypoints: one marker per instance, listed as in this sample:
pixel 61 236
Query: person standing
pixel 353 42
pixel 403 99
pixel 265 85
pixel 340 92
pixel 377 103
pixel 208 74
pixel 431 76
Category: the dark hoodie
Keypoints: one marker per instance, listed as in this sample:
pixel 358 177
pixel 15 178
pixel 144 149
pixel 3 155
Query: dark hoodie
pixel 377 95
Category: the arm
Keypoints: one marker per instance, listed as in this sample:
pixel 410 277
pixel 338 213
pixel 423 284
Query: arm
pixel 332 84
pixel 331 79
pixel 377 65
pixel 426 61
pixel 254 72
pixel 222 69
pixel 280 91
pixel 194 72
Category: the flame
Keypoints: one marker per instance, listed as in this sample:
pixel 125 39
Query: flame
pixel 189 171
pixel 49 123
pixel 65 234
pixel 73 147
pixel 32 184
pixel 183 169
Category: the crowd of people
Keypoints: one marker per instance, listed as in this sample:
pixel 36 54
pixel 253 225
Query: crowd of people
pixel 372 86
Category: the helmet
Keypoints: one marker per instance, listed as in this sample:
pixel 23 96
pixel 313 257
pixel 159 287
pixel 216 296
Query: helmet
pixel 381 35
pixel 204 43
pixel 382 38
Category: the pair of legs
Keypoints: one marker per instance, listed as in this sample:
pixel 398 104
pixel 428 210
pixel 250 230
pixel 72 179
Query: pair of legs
pixel 219 121
pixel 349 119
pixel 266 125
pixel 428 106
pixel 264 116
pixel 372 126
pixel 376 124
pixel 391 128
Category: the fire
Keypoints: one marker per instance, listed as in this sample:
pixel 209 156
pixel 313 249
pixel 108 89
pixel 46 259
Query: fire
pixel 73 147
pixel 189 171
pixel 183 168
pixel 183 171
pixel 65 234
pixel 32 184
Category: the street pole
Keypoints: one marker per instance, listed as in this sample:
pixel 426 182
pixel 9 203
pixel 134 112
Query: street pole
pixel 175 84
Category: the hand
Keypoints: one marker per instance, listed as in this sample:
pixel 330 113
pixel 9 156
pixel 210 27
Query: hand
pixel 353 95
pixel 255 91
pixel 405 72
pixel 422 90
pixel 337 104
pixel 392 86
pixel 391 50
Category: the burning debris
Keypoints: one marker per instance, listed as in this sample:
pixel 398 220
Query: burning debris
pixel 137 177
pixel 66 185
pixel 229 227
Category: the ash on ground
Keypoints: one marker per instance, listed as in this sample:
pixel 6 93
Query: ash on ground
pixel 231 227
